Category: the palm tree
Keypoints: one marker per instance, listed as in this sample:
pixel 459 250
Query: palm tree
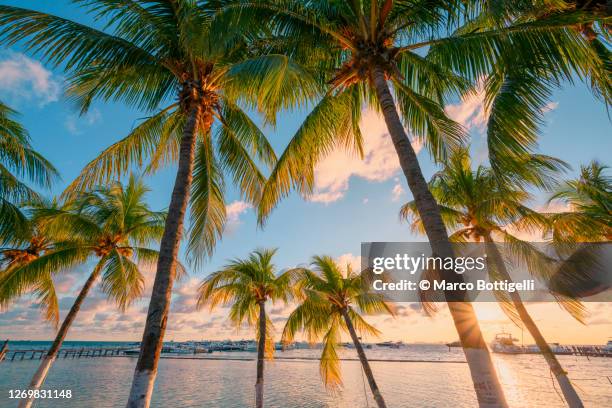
pixel 18 160
pixel 428 51
pixel 590 200
pixel 28 244
pixel 247 284
pixel 111 225
pixel 479 207
pixel 147 54
pixel 333 302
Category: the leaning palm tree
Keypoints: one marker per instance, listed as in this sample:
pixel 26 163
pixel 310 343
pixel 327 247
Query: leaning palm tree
pixel 480 207
pixel 411 56
pixel 590 200
pixel 333 302
pixel 111 226
pixel 247 284
pixel 18 160
pixel 169 56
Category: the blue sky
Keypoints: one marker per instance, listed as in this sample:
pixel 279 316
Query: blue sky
pixel 357 201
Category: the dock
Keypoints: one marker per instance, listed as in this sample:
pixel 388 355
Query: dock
pixel 590 351
pixel 83 352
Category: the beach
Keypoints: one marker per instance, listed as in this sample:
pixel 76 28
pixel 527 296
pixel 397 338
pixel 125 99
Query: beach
pixel 199 381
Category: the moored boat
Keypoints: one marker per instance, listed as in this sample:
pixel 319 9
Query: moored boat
pixel 504 344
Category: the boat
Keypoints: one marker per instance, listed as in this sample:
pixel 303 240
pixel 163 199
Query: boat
pixel 504 344
pixel 608 347
pixel 456 343
pixel 390 344
pixel 284 347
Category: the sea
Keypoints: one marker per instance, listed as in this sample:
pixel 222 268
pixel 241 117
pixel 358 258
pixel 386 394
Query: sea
pixel 429 375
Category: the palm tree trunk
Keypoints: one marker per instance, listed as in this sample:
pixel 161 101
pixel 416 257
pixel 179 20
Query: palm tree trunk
pixel 486 384
pixel 364 361
pixel 261 351
pixel 159 305
pixel 4 350
pixel 569 392
pixel 39 377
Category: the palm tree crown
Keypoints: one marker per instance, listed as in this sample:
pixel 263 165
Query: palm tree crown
pixel 245 284
pixel 171 57
pixel 27 245
pixel 590 201
pixel 112 225
pixel 476 203
pixel 430 55
pixel 478 206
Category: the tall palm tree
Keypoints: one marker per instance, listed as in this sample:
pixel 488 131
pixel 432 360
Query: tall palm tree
pixel 112 226
pixel 171 57
pixel 428 51
pixel 333 301
pixel 247 284
pixel 590 200
pixel 18 160
pixel 479 207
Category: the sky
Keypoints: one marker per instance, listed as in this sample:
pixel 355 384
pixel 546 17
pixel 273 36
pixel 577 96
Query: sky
pixel 355 201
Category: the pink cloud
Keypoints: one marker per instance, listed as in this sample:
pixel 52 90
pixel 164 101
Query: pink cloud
pixel 349 259
pixel 470 112
pixel 380 161
pixel 233 211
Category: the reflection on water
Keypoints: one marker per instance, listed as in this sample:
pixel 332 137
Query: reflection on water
pixel 104 382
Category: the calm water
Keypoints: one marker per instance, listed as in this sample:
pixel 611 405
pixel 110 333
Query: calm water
pixel 104 382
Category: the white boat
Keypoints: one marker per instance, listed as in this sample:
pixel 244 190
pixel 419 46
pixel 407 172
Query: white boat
pixel 504 344
pixel 608 347
pixel 390 344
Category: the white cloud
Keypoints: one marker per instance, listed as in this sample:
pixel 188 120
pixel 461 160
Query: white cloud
pixel 349 259
pixel 397 190
pixel 470 112
pixel 233 212
pixel 22 78
pixel 74 123
pixel 380 161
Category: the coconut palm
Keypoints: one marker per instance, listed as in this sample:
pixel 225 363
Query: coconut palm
pixel 18 160
pixel 28 244
pixel 169 56
pixel 590 200
pixel 333 301
pixel 478 206
pixel 246 285
pixel 410 56
pixel 111 226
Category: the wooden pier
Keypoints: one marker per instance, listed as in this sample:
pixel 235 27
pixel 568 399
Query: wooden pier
pixel 590 351
pixel 83 352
